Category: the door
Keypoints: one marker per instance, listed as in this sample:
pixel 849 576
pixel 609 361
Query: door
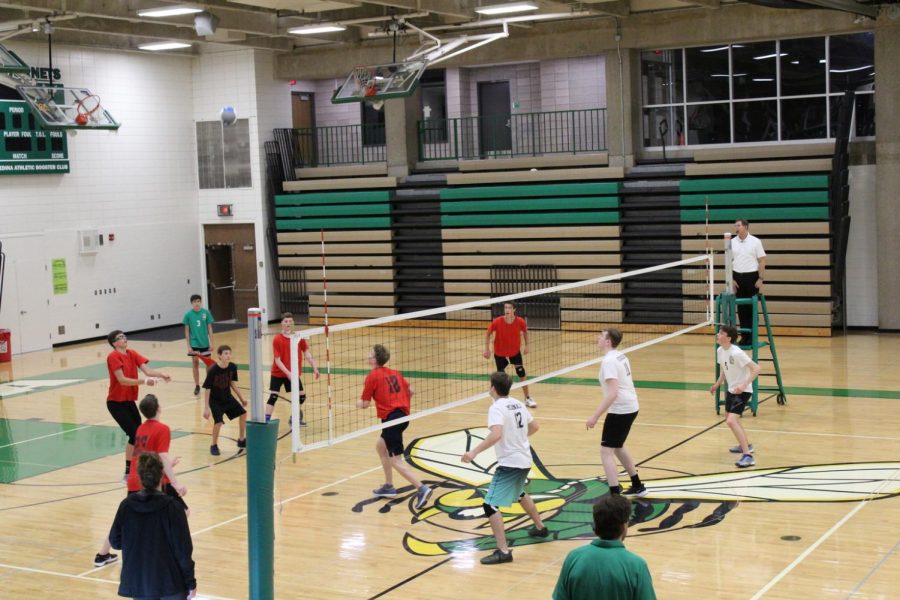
pixel 303 110
pixel 32 285
pixel 220 281
pixel 231 267
pixel 495 133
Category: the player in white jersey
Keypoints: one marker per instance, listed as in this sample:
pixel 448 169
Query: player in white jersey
pixel 510 424
pixel 620 403
pixel 739 371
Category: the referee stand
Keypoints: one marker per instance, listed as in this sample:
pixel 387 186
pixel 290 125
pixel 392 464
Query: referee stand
pixel 726 314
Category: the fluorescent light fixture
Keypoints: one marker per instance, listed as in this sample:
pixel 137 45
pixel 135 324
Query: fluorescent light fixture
pixel 821 61
pixel 168 11
pixel 719 49
pixel 320 28
pixel 157 46
pixel 850 70
pixel 764 56
pixel 505 9
pixel 795 62
pixel 720 75
pixel 763 79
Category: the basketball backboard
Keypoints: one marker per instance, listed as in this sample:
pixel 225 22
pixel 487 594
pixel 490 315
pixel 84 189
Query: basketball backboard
pixel 67 108
pixel 10 63
pixel 376 83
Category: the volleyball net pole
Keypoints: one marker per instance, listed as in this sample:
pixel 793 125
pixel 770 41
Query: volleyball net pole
pixel 262 439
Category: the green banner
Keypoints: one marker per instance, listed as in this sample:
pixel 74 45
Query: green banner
pixel 60 276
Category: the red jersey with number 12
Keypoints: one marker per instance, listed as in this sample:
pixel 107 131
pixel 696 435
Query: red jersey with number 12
pixel 507 341
pixel 389 389
pixel 151 436
pixel 281 348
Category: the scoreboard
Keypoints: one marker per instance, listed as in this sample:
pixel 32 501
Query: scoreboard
pixel 28 148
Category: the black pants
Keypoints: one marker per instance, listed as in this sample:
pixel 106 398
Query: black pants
pixel 746 288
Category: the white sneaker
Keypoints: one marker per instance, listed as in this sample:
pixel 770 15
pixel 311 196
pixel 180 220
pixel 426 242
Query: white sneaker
pixel 530 403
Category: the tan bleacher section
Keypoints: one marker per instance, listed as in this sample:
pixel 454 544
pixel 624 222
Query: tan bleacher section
pixel 585 174
pixel 782 150
pixel 734 168
pixel 370 170
pixel 353 183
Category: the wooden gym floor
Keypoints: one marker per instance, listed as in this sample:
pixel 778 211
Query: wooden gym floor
pixel 829 528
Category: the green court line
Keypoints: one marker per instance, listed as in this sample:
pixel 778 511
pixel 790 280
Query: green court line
pixel 32 447
pixel 95 372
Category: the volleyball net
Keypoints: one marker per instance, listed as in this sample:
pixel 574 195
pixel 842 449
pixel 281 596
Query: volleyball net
pixel 440 351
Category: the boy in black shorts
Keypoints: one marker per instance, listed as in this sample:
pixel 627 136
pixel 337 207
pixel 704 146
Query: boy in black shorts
pixel 738 371
pixel 219 384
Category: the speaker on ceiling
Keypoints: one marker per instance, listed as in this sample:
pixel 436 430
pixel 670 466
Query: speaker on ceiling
pixel 205 23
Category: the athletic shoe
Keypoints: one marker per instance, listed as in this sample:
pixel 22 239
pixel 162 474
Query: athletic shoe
pixel 242 443
pixel 422 496
pixel 737 450
pixel 530 403
pixel 196 390
pixel 638 492
pixel 746 461
pixel 496 557
pixel 541 533
pixel 385 491
pixel 302 421
pixel 214 450
pixel 105 559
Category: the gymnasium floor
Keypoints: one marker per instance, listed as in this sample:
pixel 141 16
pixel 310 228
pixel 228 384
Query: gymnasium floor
pixel 833 532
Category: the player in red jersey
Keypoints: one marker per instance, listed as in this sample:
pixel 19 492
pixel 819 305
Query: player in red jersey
pixel 123 365
pixel 281 361
pixel 391 393
pixel 510 343
pixel 152 436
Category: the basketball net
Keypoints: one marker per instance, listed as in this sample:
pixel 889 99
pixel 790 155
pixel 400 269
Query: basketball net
pixel 365 80
pixel 84 108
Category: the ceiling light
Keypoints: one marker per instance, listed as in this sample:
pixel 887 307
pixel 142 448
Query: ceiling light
pixel 763 79
pixel 156 46
pixel 503 9
pixel 850 70
pixel 321 28
pixel 168 11
pixel 719 49
pixel 764 56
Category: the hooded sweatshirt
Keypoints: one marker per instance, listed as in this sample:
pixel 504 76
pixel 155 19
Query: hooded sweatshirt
pixel 152 531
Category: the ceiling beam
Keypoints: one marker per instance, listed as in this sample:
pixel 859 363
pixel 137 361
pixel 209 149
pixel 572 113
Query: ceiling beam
pixel 706 3
pixel 850 6
pixel 616 8
pixel 459 9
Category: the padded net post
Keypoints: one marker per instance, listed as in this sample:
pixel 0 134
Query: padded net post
pixel 440 351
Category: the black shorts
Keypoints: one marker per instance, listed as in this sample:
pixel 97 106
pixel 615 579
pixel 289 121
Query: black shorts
pixel 616 428
pixel 127 416
pixel 204 350
pixel 227 407
pixel 737 403
pixel 275 384
pixel 393 436
pixel 169 491
pixel 504 361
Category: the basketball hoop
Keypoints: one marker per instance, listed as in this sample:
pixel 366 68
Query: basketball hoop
pixel 86 107
pixel 365 80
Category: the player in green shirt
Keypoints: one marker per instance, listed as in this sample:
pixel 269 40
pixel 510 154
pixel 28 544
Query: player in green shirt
pixel 198 333
pixel 604 569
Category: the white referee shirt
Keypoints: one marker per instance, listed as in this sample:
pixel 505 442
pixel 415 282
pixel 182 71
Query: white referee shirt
pixel 513 449
pixel 615 365
pixel 745 254
pixel 735 363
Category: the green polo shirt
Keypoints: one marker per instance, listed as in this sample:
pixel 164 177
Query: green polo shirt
pixel 604 570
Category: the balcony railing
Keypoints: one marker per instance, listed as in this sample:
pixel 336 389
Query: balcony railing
pixel 522 134
pixel 337 145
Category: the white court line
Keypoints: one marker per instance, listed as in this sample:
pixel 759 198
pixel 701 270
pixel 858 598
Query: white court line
pixel 822 539
pixel 872 572
pixel 100 424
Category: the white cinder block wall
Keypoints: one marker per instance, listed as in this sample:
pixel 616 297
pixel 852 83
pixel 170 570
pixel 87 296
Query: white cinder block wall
pixel 141 185
pixel 138 183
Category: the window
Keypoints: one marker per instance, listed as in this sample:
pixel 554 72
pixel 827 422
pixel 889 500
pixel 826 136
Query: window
pixel 757 91
pixel 372 125
pixel 223 154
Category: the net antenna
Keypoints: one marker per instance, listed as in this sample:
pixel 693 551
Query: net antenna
pixel 440 350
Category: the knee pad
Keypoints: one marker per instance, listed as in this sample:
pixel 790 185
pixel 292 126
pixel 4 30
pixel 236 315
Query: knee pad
pixel 520 370
pixel 302 396
pixel 488 509
pixel 273 398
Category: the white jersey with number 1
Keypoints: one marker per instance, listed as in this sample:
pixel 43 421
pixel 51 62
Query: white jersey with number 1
pixel 513 449
pixel 615 365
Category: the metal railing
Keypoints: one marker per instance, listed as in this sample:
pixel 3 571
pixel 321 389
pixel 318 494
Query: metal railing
pixel 337 145
pixel 522 134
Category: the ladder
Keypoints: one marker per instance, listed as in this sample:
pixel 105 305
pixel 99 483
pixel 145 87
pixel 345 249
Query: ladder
pixel 726 314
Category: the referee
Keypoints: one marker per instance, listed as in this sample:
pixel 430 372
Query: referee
pixel 749 269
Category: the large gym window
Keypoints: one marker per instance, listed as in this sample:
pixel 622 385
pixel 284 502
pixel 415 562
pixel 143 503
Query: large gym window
pixel 756 91
pixel 223 155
